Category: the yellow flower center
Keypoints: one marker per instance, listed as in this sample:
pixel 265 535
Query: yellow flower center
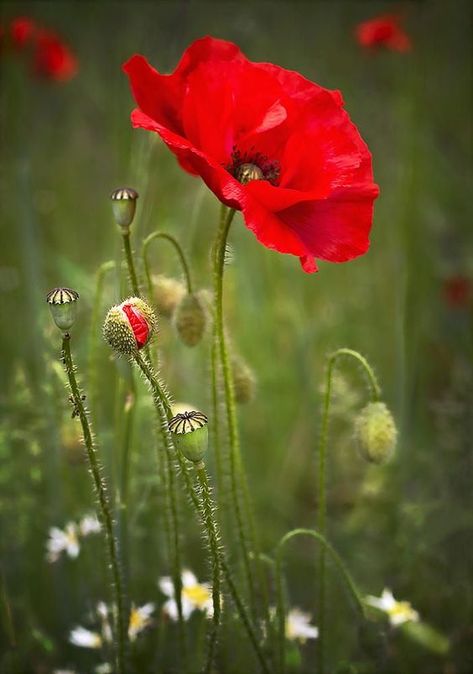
pixel 401 608
pixel 136 620
pixel 197 594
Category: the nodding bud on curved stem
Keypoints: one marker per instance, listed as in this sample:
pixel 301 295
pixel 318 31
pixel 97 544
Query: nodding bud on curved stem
pixel 63 305
pixel 129 326
pixel 124 205
pixel 190 319
pixel 375 432
pixel 190 434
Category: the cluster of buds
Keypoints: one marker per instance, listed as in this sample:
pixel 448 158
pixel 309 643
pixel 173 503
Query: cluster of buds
pixel 129 326
pixel 375 432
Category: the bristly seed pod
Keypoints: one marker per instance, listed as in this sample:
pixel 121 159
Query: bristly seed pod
pixel 190 434
pixel 124 206
pixel 63 305
pixel 168 292
pixel 244 380
pixel 190 319
pixel 375 433
pixel 129 326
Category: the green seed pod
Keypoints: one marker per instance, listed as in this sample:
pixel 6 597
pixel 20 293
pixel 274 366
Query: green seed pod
pixel 190 319
pixel 244 380
pixel 129 326
pixel 375 433
pixel 168 292
pixel 63 305
pixel 124 206
pixel 190 434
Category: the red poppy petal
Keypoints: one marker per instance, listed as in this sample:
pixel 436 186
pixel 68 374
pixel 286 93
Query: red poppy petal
pixel 138 324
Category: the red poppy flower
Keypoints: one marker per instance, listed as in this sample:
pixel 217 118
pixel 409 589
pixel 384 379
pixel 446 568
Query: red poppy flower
pixel 22 31
pixel 53 59
pixel 458 291
pixel 383 31
pixel 267 142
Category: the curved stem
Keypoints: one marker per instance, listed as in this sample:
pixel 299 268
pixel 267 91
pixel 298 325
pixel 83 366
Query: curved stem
pixel 177 246
pixel 158 391
pixel 236 468
pixel 105 512
pixel 130 263
pixel 281 611
pixel 322 477
pixel 210 524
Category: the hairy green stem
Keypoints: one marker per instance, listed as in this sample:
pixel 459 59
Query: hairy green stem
pixel 322 479
pixel 130 263
pixel 105 513
pixel 164 413
pixel 236 468
pixel 210 524
pixel 158 393
pixel 281 609
pixel 177 246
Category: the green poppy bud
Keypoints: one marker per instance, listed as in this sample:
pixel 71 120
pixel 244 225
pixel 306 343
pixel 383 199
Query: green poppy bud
pixel 190 434
pixel 244 380
pixel 124 206
pixel 167 293
pixel 190 319
pixel 129 326
pixel 375 433
pixel 63 305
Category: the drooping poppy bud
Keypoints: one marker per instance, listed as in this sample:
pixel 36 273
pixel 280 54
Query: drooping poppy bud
pixel 190 434
pixel 190 319
pixel 168 292
pixel 244 381
pixel 129 326
pixel 63 305
pixel 375 433
pixel 124 206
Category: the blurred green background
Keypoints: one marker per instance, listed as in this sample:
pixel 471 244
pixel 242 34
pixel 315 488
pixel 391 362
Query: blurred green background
pixel 407 525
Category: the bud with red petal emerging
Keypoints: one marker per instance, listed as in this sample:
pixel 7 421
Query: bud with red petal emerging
pixel 129 326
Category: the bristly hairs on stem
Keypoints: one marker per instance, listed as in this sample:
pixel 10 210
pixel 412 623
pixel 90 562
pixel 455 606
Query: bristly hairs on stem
pixel 105 513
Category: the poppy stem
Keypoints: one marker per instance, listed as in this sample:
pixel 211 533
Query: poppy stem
pixel 159 391
pixel 182 258
pixel 105 513
pixel 164 413
pixel 130 263
pixel 280 602
pixel 322 479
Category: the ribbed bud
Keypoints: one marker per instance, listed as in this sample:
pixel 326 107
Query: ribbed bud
pixel 63 305
pixel 190 434
pixel 190 319
pixel 129 326
pixel 244 380
pixel 375 433
pixel 124 205
pixel 168 292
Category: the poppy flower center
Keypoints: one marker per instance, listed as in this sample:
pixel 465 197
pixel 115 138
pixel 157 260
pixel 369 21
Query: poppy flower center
pixel 253 165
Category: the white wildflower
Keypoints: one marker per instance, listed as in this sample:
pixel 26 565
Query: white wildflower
pixel 398 612
pixel 84 638
pixel 195 596
pixel 60 540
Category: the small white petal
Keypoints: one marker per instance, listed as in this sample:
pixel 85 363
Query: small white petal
pixel 89 524
pixel 166 586
pixel 80 636
pixel 188 578
pixel 170 609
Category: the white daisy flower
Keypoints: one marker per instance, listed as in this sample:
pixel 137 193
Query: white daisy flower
pixel 399 612
pixel 60 540
pixel 89 524
pixel 140 619
pixel 195 596
pixel 84 638
pixel 298 627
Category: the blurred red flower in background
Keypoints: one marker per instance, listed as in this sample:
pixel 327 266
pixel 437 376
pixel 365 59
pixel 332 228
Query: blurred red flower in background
pixel 458 291
pixel 52 58
pixel 22 31
pixel 383 31
pixel 267 142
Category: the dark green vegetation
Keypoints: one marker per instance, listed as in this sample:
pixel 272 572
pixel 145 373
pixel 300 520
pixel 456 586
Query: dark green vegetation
pixel 406 525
